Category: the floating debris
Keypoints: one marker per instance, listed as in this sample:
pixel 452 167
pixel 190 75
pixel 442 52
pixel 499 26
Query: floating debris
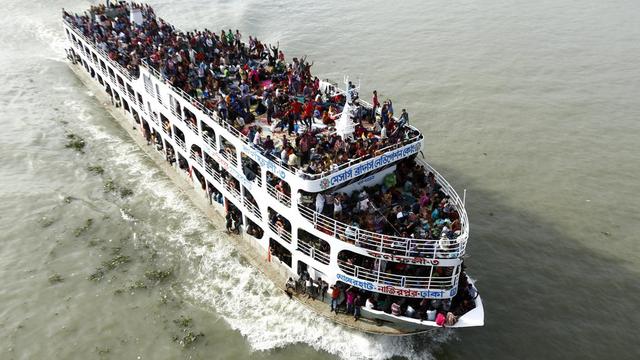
pixel 115 262
pixel 110 186
pixel 81 230
pixel 56 278
pixel 96 169
pixel 183 321
pixel 97 275
pixel 118 292
pixel 188 339
pixel 67 199
pixel 102 351
pixel 158 275
pixel 138 285
pixel 75 142
pixel 125 192
pixel 94 242
pixel 46 222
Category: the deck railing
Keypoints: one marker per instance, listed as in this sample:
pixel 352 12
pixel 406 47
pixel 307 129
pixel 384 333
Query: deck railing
pixel 230 156
pixel 197 157
pixel 252 208
pixel 192 126
pixel 209 141
pixel 413 282
pixel 115 64
pixel 232 189
pixel 396 245
pixel 313 252
pixel 281 197
pixel 281 232
pixel 210 171
pixel 180 143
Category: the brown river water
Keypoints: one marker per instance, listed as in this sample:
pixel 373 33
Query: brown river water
pixel 532 106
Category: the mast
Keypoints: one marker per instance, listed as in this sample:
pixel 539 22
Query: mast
pixel 345 127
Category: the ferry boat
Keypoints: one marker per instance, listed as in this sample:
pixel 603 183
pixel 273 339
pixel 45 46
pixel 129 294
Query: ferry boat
pixel 347 201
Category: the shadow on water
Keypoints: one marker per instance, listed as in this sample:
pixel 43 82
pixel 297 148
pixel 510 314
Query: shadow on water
pixel 546 295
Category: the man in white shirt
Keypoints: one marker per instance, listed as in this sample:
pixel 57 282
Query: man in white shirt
pixel 257 140
pixel 319 203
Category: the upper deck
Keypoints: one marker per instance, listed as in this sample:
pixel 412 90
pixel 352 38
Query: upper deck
pixel 249 86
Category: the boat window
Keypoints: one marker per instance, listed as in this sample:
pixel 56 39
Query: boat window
pixel 251 169
pixel 279 189
pixel 254 230
pixel 313 246
pixel 228 151
pixel 197 176
pixel 279 225
pixel 166 125
pixel 280 252
pixel 208 135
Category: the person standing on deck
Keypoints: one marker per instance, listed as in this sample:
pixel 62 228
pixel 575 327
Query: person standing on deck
pixel 351 296
pixel 404 119
pixel 357 305
pixel 335 294
pixel 375 104
pixel 319 203
pixel 309 287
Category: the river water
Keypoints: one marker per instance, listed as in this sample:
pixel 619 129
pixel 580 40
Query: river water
pixel 532 106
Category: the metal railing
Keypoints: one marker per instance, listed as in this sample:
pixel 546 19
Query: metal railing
pixel 166 129
pixel 281 232
pixel 192 126
pixel 413 282
pixel 180 143
pixel 230 157
pixel 124 71
pixel 232 189
pixel 209 141
pixel 210 171
pixel 252 208
pixel 197 157
pixel 281 197
pixel 390 244
pixel 313 252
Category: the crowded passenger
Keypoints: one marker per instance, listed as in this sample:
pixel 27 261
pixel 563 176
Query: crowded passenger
pixel 408 203
pixel 246 83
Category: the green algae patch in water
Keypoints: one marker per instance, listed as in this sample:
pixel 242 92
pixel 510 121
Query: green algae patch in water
pixel 115 262
pixel 97 275
pixel 75 142
pixel 56 278
pixel 183 321
pixel 110 186
pixel 188 339
pixel 81 230
pixel 158 275
pixel 45 222
pixel 95 169
pixel 125 192
pixel 138 285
